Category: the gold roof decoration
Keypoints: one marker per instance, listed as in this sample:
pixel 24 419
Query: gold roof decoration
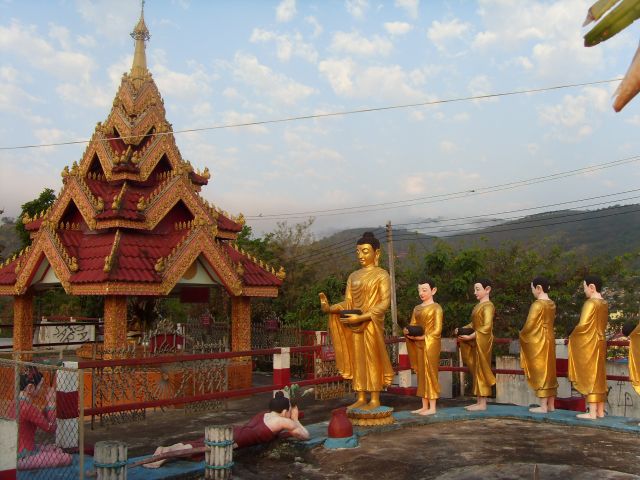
pixel 117 201
pixel 110 259
pixel 281 274
pixel 240 220
pixel 140 35
pixel 160 265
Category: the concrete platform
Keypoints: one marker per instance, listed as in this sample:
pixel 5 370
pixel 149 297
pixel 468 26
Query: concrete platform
pixel 504 441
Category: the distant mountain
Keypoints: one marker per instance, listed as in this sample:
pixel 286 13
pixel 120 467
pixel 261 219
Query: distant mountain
pixel 611 231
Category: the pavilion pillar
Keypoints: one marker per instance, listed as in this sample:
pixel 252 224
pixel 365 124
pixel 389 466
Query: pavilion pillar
pixel 23 322
pixel 115 322
pixel 240 369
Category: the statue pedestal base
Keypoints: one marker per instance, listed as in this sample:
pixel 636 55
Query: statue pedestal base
pixel 370 418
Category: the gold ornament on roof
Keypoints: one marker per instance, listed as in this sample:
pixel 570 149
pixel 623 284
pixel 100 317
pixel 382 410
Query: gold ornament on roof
pixel 281 274
pixel 160 265
pixel 206 174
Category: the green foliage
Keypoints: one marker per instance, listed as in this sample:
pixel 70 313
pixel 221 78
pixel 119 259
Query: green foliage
pixel 511 269
pixel 306 309
pixel 44 201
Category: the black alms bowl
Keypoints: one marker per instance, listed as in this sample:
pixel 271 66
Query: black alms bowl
pixel 344 313
pixel 415 330
pixel 628 328
pixel 465 331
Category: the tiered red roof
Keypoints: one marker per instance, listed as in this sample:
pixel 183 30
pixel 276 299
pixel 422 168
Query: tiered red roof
pixel 129 218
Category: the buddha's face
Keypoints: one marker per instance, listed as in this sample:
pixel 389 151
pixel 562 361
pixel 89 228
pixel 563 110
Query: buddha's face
pixel 425 292
pixel 366 254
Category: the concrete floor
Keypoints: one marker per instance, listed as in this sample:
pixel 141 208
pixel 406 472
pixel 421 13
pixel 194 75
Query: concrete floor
pixel 453 447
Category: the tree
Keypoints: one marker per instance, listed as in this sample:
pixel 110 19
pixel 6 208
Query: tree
pixel 34 207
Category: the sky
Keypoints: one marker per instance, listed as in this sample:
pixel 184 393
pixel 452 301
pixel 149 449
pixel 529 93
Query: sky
pixel 228 62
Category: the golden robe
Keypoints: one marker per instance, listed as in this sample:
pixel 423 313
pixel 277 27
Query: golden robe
pixel 538 349
pixel 476 354
pixel 588 351
pixel 634 358
pixel 361 354
pixel 425 354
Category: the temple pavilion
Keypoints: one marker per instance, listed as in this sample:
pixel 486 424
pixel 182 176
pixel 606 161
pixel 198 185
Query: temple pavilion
pixel 129 220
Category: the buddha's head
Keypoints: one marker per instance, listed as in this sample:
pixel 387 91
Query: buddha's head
pixel 368 250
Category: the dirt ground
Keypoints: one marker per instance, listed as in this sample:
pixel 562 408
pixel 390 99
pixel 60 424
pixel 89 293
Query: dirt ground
pixel 473 449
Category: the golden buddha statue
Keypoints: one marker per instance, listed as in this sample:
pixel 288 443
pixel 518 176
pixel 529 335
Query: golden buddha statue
pixel 424 349
pixel 358 338
pixel 476 347
pixel 634 358
pixel 538 347
pixel 588 349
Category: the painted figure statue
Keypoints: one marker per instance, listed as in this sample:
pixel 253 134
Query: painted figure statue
pixel 358 334
pixel 476 347
pixel 588 349
pixel 424 348
pixel 538 347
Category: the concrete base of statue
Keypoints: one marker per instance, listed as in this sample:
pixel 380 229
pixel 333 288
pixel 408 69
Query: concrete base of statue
pixel 371 418
pixel 339 443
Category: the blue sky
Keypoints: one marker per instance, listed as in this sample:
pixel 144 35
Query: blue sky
pixel 227 62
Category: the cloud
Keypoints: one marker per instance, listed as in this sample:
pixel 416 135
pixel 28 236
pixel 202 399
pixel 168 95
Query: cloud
pixel 398 28
pixel 547 31
pixel 410 6
pixel 85 93
pixel 391 83
pixel 355 44
pixel 447 146
pixel 191 85
pixel 265 81
pixel 414 185
pixel 572 118
pixel 357 8
pixel 286 10
pixel 481 85
pixel 635 120
pixel 317 28
pixel 484 39
pixel 24 42
pixel 232 117
pixel 286 45
pixel 113 19
pixel 440 33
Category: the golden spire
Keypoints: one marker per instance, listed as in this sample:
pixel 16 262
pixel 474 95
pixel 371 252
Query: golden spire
pixel 140 34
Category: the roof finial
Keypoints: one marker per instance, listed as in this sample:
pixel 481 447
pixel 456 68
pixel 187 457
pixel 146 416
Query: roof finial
pixel 140 34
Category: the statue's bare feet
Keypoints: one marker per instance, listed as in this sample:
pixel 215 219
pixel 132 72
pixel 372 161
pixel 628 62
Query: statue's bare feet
pixel 372 405
pixel 416 411
pixel 587 416
pixel 429 411
pixel 357 404
pixel 476 407
pixel 538 410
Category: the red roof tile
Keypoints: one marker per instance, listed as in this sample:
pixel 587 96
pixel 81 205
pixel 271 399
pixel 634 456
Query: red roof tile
pixel 254 274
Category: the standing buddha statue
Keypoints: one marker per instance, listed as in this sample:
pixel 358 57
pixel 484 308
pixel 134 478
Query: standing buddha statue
pixel 358 333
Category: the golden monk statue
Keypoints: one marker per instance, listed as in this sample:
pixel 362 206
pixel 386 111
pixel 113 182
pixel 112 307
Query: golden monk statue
pixel 538 347
pixel 588 349
pixel 358 338
pixel 424 349
pixel 476 347
pixel 634 356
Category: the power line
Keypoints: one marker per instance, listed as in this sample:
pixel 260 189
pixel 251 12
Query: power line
pixel 336 246
pixel 330 114
pixel 474 231
pixel 447 196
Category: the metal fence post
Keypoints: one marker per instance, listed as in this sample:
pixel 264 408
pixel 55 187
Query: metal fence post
pixel 81 423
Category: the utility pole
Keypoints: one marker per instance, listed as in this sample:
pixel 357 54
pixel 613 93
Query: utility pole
pixel 392 274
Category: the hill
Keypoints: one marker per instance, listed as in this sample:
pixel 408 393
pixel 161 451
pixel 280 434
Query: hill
pixel 609 231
